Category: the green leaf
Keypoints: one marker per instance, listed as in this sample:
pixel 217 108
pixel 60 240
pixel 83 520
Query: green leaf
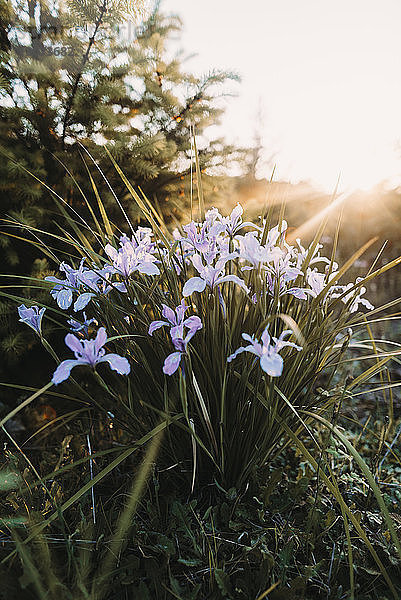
pixel 223 581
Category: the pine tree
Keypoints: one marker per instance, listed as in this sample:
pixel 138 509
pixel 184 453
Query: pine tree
pixel 72 74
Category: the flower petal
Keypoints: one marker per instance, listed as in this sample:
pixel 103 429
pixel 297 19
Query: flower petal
pixel 197 262
pixel 172 363
pixel 286 333
pixel 177 332
pixel 280 344
pixel 300 293
pixel 53 279
pixel 148 268
pixel 234 279
pixel 111 252
pixel 291 273
pixel 100 339
pixel 265 337
pixel 156 325
pixel 120 286
pixel 196 325
pixel 82 301
pixel 272 364
pixel 180 312
pixel 236 212
pixel 64 369
pixel 22 310
pixel 169 314
pixel 255 349
pixel 193 323
pixel 73 343
pixel 366 303
pixel 238 351
pixel 195 284
pixel 249 224
pixel 117 363
pixel 64 298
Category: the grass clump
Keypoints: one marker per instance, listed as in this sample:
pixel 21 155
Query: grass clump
pixel 227 346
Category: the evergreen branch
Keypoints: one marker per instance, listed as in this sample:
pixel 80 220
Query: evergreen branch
pixel 80 72
pixel 188 105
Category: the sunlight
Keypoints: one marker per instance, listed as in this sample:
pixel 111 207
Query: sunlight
pixel 346 144
pixel 325 75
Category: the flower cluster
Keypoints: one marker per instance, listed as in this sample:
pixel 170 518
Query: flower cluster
pixel 134 255
pixel 83 282
pixel 211 258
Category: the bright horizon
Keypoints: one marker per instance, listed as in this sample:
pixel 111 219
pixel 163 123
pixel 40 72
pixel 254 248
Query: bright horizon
pixel 327 76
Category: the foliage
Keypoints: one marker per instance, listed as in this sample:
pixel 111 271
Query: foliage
pixel 285 533
pixel 242 283
pixel 176 305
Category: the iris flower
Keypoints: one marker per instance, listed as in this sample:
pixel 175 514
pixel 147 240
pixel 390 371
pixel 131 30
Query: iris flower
pixel 210 276
pixel 77 326
pixel 129 259
pixel 180 338
pixel 32 317
pixel 89 352
pixel 234 222
pixel 270 360
pixel 173 318
pixel 64 289
pixel 353 296
pixel 180 343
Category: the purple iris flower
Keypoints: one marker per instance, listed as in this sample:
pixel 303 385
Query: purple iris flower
pixel 198 239
pixel 175 320
pixel 89 352
pixel 355 298
pixel 317 281
pixel 128 260
pixel 64 289
pixel 205 238
pixel 210 276
pixel 96 281
pixel 270 360
pixel 62 292
pixel 180 343
pixel 234 222
pixel 32 317
pixel 77 326
pixel 280 272
pixel 252 251
pixel 142 237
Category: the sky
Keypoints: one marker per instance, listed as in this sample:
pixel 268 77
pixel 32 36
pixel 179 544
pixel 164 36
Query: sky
pixel 326 74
